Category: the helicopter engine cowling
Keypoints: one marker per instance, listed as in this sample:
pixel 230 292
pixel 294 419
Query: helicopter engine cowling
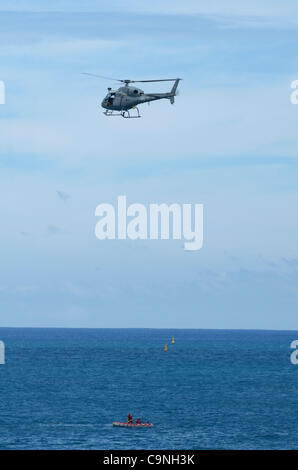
pixel 135 92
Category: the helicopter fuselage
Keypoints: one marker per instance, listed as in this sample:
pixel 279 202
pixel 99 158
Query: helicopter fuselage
pixel 128 97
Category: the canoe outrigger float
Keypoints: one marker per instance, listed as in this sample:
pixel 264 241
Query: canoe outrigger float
pixel 132 425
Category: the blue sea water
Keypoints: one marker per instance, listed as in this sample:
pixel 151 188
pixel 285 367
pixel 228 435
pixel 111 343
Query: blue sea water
pixel 212 389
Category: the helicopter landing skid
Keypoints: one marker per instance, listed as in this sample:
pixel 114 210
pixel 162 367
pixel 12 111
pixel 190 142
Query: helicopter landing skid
pixel 125 114
pixel 109 112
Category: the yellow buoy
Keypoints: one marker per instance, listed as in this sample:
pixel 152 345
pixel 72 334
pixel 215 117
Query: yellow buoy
pixel 173 340
pixel 166 347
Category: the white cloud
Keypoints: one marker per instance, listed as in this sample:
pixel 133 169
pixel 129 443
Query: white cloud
pixel 60 48
pixel 23 136
pixel 264 10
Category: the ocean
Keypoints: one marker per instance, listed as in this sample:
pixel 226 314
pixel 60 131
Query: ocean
pixel 212 389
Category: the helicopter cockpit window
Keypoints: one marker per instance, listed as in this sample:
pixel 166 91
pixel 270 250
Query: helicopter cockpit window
pixel 136 92
pixel 111 97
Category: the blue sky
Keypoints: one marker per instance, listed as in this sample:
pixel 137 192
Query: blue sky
pixel 229 142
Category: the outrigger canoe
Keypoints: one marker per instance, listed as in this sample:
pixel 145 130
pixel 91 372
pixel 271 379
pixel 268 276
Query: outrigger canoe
pixel 132 425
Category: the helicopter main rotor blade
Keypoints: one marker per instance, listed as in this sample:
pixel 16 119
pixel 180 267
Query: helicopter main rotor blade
pixel 127 81
pixel 101 76
pixel 161 80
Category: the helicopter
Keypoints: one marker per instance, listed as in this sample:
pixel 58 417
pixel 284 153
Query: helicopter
pixel 119 102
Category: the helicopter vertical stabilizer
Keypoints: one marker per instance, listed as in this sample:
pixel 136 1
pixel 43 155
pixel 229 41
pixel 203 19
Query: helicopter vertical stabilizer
pixel 173 90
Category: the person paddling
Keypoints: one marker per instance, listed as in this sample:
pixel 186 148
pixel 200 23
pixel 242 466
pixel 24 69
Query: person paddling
pixel 129 418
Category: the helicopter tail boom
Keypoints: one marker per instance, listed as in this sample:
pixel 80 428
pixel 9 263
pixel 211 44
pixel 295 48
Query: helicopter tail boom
pixel 171 95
